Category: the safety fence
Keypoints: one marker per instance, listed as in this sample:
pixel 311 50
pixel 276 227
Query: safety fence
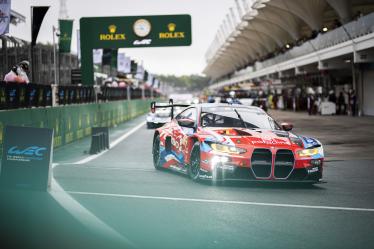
pixel 73 122
pixel 113 93
pixel 15 95
pixel 75 95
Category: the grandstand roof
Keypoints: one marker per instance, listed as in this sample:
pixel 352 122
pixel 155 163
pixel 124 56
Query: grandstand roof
pixel 265 28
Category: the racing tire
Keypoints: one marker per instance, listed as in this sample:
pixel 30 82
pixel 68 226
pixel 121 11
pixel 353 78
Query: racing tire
pixel 194 167
pixel 156 153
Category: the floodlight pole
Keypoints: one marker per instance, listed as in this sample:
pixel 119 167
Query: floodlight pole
pixel 55 55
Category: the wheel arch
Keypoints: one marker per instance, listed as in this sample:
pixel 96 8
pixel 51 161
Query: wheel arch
pixel 193 140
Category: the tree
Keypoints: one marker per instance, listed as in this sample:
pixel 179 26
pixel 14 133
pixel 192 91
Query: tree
pixel 189 82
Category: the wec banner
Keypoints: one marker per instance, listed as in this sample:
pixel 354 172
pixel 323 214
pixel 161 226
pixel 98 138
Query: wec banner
pixel 66 29
pixel 4 16
pixel 26 159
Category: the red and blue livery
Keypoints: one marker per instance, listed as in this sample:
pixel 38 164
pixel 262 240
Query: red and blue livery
pixel 235 142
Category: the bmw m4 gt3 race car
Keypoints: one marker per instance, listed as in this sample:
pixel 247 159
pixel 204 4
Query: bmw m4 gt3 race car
pixel 226 142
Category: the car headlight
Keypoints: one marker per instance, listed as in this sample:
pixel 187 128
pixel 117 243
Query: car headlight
pixel 310 152
pixel 227 149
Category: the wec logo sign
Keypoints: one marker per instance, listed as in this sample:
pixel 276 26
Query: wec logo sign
pixel 27 154
pixel 30 151
pixel 26 157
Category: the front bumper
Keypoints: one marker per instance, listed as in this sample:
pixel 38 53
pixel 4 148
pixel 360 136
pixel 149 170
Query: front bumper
pixel 240 168
pixel 245 173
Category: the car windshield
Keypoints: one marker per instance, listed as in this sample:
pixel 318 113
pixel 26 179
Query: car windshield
pixel 236 117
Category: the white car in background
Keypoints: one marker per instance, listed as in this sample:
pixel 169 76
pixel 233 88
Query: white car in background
pixel 161 116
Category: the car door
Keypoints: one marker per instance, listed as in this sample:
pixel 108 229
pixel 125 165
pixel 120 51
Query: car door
pixel 182 132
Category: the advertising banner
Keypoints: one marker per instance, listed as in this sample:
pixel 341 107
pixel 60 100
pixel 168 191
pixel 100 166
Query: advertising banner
pixel 136 31
pixel 37 16
pixel 134 67
pixel 79 44
pixel 150 80
pixel 27 157
pixel 124 63
pixel 4 16
pixel 140 72
pixel 156 83
pixel 97 56
pixel 130 32
pixel 66 30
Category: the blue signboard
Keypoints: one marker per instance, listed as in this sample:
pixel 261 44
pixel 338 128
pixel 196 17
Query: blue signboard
pixel 26 159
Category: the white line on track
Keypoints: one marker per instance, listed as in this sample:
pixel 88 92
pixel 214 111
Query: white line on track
pixel 112 145
pixel 222 201
pixel 108 168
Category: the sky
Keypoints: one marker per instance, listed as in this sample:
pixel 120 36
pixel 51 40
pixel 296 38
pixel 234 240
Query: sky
pixel 207 15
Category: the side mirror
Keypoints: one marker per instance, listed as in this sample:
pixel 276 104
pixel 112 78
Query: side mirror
pixel 287 126
pixel 189 123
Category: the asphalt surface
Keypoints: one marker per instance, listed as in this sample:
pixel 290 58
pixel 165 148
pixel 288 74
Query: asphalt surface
pixel 118 199
pixel 343 137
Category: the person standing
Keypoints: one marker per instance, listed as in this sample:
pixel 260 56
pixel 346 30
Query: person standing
pixel 341 104
pixel 310 103
pixel 332 97
pixel 18 73
pixel 353 102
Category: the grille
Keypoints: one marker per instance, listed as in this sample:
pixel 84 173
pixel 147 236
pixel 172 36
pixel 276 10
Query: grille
pixel 284 161
pixel 261 163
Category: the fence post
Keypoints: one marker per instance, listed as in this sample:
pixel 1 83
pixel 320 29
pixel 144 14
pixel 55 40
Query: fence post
pixel 143 93
pixel 128 88
pixel 54 94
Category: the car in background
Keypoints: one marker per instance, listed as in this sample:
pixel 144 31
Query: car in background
pixel 231 142
pixel 161 116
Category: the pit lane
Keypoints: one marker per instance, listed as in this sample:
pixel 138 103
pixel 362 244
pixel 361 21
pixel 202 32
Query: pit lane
pixel 160 209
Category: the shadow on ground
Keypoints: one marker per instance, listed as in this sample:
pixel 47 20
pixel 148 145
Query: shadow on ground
pixel 32 219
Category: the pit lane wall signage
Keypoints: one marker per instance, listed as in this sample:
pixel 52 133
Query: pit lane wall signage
pixel 73 122
pixel 130 32
pixel 26 158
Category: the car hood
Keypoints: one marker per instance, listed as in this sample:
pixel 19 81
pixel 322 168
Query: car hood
pixel 257 137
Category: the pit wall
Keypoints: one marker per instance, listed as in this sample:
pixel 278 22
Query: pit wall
pixel 73 122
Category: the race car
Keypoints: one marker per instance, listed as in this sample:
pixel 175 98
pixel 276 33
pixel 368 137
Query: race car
pixel 161 116
pixel 235 142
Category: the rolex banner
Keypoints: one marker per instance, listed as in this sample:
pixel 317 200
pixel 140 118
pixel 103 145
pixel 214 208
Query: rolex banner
pixel 66 28
pixel 4 16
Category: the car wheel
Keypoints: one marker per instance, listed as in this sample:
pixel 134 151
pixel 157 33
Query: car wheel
pixel 156 153
pixel 194 167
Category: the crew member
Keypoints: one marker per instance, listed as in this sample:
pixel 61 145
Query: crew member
pixel 18 73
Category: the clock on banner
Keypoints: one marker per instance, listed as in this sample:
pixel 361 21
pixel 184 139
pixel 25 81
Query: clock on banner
pixel 142 27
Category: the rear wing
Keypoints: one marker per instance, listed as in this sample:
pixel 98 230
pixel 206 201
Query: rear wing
pixel 171 105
